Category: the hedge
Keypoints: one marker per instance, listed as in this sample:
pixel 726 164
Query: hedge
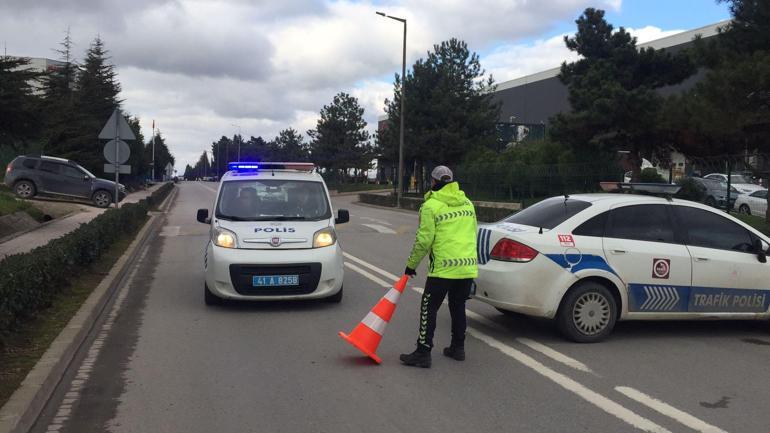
pixel 483 213
pixel 31 281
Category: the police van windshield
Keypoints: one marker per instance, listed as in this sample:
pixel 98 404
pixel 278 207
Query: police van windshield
pixel 273 200
pixel 549 213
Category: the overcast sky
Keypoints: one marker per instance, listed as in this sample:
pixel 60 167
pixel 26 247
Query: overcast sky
pixel 198 67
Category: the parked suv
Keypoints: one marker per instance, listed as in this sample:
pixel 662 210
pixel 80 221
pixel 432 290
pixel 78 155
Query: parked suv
pixel 31 175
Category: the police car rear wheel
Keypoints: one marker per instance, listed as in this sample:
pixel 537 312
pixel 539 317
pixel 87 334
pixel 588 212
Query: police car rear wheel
pixel 588 313
pixel 210 298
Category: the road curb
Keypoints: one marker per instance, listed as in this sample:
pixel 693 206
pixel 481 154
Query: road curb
pixel 21 411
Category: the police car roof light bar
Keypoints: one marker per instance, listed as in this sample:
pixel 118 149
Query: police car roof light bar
pixel 664 189
pixel 273 166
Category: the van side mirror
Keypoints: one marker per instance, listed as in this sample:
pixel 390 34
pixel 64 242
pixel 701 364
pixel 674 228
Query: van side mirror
pixel 343 216
pixel 203 216
pixel 759 247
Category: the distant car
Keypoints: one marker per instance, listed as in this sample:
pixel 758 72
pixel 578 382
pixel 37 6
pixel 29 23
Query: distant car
pixel 741 182
pixel 31 175
pixel 587 261
pixel 752 204
pixel 715 192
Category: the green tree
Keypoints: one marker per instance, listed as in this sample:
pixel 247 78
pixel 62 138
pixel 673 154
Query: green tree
pixel 189 172
pixel 19 120
pixel 220 154
pixel 612 91
pixel 162 155
pixel 449 108
pixel 60 120
pixel 340 141
pixel 139 165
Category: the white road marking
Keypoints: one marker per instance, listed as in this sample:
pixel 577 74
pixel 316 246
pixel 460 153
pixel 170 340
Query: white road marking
pixel 380 229
pixel 668 410
pixel 534 345
pixel 366 274
pixel 569 384
pixel 555 355
pixel 371 266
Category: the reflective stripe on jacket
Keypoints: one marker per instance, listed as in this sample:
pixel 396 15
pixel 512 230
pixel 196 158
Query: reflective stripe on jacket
pixel 447 233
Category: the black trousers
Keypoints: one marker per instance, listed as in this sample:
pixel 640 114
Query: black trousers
pixel 436 289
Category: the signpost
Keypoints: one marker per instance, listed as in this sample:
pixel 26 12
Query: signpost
pixel 116 151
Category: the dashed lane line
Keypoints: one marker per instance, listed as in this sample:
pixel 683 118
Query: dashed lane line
pixel 668 410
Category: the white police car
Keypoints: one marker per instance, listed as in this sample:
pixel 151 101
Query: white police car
pixel 590 260
pixel 272 235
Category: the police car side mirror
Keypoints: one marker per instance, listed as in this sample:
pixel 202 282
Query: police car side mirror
pixel 203 216
pixel 343 216
pixel 759 247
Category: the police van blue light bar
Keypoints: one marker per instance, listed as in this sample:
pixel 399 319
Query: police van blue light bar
pixel 261 166
pixel 242 166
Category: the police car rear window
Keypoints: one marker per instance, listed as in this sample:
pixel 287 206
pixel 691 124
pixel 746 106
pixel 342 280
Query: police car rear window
pixel 549 213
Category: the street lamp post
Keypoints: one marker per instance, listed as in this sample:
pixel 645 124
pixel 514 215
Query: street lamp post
pixel 402 114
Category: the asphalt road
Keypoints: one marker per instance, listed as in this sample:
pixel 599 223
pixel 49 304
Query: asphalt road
pixel 164 362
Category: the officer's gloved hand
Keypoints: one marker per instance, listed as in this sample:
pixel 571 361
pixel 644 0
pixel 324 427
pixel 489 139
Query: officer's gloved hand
pixel 409 271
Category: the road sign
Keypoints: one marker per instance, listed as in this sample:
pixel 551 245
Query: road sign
pixel 117 128
pixel 122 153
pixel 122 169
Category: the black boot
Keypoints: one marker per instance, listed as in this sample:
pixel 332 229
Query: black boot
pixel 418 358
pixel 455 352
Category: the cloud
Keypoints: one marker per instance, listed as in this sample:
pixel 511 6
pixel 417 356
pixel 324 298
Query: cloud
pixel 199 66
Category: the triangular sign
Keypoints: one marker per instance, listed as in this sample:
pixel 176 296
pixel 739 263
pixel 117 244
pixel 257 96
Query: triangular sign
pixel 117 127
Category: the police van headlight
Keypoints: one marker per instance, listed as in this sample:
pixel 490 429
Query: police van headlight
pixel 223 238
pixel 324 238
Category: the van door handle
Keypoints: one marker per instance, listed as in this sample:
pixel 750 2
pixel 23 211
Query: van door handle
pixel 701 259
pixel 618 251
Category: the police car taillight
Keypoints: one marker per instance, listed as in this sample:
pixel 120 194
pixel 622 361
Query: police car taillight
pixel 508 250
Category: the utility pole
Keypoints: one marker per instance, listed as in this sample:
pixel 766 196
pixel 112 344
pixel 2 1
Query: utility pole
pixel 399 193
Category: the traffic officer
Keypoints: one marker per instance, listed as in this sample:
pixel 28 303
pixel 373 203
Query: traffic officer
pixel 447 234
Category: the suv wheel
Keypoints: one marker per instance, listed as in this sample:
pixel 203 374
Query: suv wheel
pixel 24 189
pixel 588 313
pixel 102 198
pixel 710 201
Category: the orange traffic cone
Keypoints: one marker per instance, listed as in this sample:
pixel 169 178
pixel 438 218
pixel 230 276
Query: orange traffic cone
pixel 367 335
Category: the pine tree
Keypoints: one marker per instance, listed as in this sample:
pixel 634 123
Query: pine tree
pixel 340 141
pixel 289 145
pixel 612 91
pixel 19 120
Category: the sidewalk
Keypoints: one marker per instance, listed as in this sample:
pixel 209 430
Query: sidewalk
pixel 58 228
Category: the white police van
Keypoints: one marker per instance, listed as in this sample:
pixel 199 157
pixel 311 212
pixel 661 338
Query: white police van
pixel 590 260
pixel 272 235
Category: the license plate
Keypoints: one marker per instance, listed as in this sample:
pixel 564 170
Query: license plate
pixel 274 280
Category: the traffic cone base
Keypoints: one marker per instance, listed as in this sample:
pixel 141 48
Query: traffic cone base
pixel 361 347
pixel 367 335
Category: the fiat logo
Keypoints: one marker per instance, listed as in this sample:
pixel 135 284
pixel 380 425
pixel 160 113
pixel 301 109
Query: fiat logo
pixel 276 241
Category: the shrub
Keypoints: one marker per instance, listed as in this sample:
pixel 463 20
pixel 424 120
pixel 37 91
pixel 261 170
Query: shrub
pixel 651 175
pixel 32 280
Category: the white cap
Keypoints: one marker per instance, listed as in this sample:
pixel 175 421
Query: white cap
pixel 442 173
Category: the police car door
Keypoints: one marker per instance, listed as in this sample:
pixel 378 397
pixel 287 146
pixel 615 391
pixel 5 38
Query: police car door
pixel 727 274
pixel 643 248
